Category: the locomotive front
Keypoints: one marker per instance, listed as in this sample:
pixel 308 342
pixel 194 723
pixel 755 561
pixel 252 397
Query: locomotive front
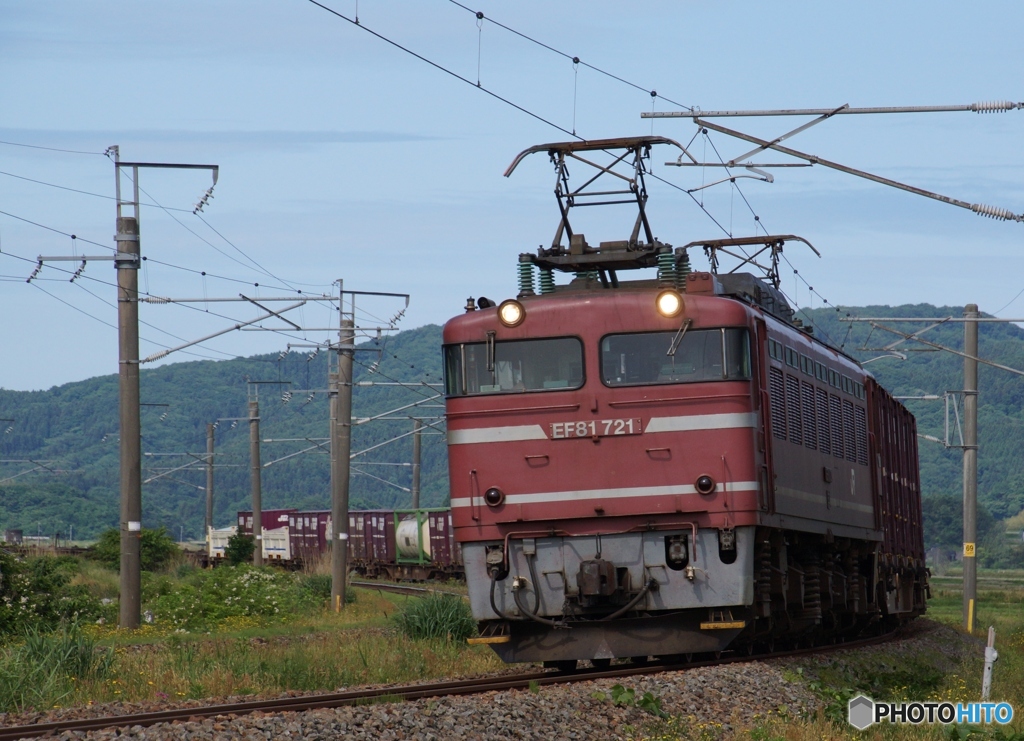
pixel 603 465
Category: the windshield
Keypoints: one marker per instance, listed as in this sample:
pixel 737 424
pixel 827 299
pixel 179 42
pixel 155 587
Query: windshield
pixel 684 356
pixel 513 367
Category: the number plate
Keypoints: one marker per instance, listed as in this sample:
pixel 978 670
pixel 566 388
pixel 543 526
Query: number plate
pixel 596 428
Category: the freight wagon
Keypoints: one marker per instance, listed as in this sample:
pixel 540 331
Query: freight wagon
pixel 404 544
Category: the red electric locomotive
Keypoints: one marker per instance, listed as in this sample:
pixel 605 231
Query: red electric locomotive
pixel 671 465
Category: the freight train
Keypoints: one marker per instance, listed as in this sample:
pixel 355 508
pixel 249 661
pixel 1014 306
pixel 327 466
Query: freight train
pixel 409 544
pixel 671 465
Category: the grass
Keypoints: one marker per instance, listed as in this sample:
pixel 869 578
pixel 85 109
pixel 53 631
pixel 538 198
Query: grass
pixel 44 670
pixel 237 632
pixel 437 617
pixel 321 651
pixel 309 648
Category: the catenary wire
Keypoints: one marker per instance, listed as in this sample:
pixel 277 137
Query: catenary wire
pixel 574 59
pixel 76 190
pixel 57 231
pixel 447 71
pixel 50 149
pixel 158 329
pixel 243 254
pixel 187 306
pixel 203 239
pixel 207 274
pixel 1009 302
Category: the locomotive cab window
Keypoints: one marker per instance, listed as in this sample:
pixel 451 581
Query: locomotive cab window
pixel 668 357
pixel 496 367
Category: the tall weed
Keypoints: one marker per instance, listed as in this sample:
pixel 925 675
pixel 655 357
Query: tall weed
pixel 441 616
pixel 44 669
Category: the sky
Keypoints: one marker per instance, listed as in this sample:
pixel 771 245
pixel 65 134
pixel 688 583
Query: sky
pixel 343 157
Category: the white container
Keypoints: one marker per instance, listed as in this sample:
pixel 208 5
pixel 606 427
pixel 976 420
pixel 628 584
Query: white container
pixel 407 542
pixel 218 541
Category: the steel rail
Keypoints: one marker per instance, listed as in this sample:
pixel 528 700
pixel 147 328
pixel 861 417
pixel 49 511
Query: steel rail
pixel 403 692
pixel 401 588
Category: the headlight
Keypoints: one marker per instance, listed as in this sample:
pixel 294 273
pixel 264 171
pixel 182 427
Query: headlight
pixel 705 485
pixel 494 497
pixel 511 313
pixel 669 303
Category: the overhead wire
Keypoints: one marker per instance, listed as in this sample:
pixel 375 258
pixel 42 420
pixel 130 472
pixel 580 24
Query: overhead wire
pixel 518 107
pixel 57 231
pixel 76 308
pixel 206 241
pixel 158 329
pixel 76 190
pixel 50 149
pixel 114 285
pixel 444 69
pixel 698 203
pixel 573 58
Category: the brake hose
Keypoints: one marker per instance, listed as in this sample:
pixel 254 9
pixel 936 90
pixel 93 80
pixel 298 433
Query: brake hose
pixel 494 606
pixel 633 602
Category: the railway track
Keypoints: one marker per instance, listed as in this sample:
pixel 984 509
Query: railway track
pixel 401 588
pixel 403 692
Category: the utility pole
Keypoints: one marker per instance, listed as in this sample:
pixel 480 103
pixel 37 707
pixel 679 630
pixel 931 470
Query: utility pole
pixel 341 449
pixel 127 264
pixel 209 478
pixel 417 428
pixel 257 492
pixel 970 463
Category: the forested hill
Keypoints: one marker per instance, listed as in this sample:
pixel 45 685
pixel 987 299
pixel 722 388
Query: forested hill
pixel 71 430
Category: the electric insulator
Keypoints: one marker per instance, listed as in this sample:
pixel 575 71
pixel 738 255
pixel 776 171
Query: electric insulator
pixel 994 106
pixel 994 212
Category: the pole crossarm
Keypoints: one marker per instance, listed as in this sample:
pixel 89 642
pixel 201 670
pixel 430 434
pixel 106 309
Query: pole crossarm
pixel 165 353
pixel 983 107
pixel 271 311
pixel 925 319
pixel 947 349
pixel 238 300
pixel 190 464
pixel 316 446
pixel 395 439
pixel 982 209
pixel 383 481
pixel 37 466
pixel 364 420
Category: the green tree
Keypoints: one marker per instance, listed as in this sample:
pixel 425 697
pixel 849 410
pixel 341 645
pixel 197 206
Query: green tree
pixel 239 549
pixel 157 548
pixel 944 522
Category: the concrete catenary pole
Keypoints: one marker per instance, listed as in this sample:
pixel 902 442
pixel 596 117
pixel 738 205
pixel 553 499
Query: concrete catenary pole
pixel 341 450
pixel 257 489
pixel 127 264
pixel 970 463
pixel 417 433
pixel 210 432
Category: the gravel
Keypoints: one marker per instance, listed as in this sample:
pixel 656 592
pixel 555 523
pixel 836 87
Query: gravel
pixel 732 695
